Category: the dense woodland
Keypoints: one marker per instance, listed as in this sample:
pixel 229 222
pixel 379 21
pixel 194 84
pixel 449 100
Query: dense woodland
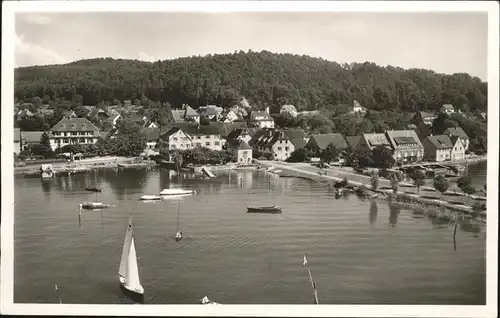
pixel 263 78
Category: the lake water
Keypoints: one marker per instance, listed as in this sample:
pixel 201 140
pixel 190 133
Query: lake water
pixel 359 251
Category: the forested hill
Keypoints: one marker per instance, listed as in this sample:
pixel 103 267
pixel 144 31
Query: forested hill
pixel 263 78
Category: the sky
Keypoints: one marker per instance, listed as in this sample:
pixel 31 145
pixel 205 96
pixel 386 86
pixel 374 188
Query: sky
pixel 454 42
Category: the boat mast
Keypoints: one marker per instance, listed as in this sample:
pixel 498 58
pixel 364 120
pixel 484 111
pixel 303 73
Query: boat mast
pixel 313 284
pixel 178 213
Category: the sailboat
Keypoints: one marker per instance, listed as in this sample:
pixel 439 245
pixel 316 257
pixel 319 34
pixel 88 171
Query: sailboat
pixel 128 273
pixel 178 235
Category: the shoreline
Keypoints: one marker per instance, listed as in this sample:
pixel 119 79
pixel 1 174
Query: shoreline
pixel 400 197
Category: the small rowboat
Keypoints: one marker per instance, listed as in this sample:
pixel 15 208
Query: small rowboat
pixel 177 191
pixel 94 205
pixel 150 197
pixel 93 189
pixel 264 209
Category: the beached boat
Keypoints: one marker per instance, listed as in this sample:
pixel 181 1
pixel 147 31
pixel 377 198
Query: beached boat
pixel 177 191
pixel 94 205
pixel 47 171
pixel 128 272
pixel 264 209
pixel 147 197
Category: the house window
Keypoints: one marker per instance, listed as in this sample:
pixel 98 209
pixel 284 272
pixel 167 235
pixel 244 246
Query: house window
pixel 279 148
pixel 62 126
pixel 173 146
pixel 207 143
pixel 286 148
pixel 82 140
pixel 198 137
pixel 73 126
pixel 65 140
pixel 73 134
pixel 84 126
pixel 182 145
pixel 175 138
pixel 89 140
pixel 198 144
pixel 217 143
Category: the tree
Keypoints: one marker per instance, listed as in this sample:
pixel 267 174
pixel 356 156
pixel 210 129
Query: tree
pixel 176 157
pixel 299 155
pixel 418 178
pixel 43 148
pixel 382 157
pixel 129 140
pixel 469 190
pixel 204 120
pixel 394 182
pixel 374 181
pixel 36 101
pixel 81 112
pixel 76 100
pixel 464 182
pixel 362 158
pixel 330 153
pixel 440 184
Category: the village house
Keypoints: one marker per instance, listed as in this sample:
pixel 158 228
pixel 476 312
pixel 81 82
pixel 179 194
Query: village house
pixel 175 139
pixel 45 110
pixel 30 138
pixel 229 116
pixel 17 141
pixel 459 132
pixel 298 137
pixel 319 142
pixel 273 142
pixel 178 116
pixel 447 109
pixel 238 134
pixel 190 114
pixel 208 136
pixel 262 119
pixel 242 151
pixel 458 150
pixel 114 119
pixel 98 114
pixel 357 108
pixel 428 117
pixel 211 112
pixel 24 113
pixel 152 135
pixel 437 148
pixel 70 131
pixel 406 145
pixel 371 141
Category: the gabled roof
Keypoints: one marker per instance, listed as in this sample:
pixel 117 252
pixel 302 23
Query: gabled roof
pixel 454 140
pixel 440 142
pixel 237 132
pixel 221 129
pixel 401 139
pixel 374 140
pixel 323 140
pixel 210 110
pixel 190 112
pixel 31 136
pixel 151 134
pixel 294 133
pixel 243 145
pixel 352 141
pixel 178 115
pixel 74 124
pixel 267 137
pixel 456 132
pixel 299 143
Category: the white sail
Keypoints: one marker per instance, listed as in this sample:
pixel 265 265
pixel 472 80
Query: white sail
pixel 133 282
pixel 122 271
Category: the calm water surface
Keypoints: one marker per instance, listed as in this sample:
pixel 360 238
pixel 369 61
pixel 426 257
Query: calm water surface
pixel 360 252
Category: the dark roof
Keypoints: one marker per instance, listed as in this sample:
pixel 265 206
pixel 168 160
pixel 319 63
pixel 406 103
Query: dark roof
pixel 190 112
pixel 352 141
pixel 374 140
pixel 440 141
pixel 323 140
pixel 151 134
pixel 454 139
pixel 31 136
pixel 237 132
pixel 401 139
pixel 74 124
pixel 267 137
pixel 294 133
pixel 243 145
pixel 299 143
pixel 456 132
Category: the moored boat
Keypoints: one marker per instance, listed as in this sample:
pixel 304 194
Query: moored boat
pixel 147 197
pixel 94 205
pixel 206 301
pixel 177 191
pixel 264 209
